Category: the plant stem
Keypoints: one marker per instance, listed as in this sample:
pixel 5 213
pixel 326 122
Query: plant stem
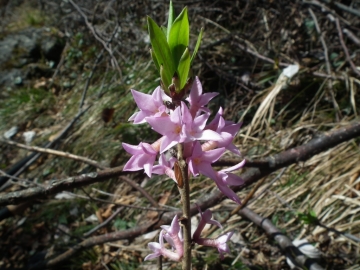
pixel 159 263
pixel 185 198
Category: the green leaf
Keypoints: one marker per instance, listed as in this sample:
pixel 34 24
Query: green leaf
pixel 333 56
pixel 165 80
pixel 308 218
pixel 184 68
pixel 63 219
pixel 179 36
pixel 164 29
pixel 120 224
pixel 198 42
pixel 153 56
pixel 161 49
pixel 170 20
pixel 313 214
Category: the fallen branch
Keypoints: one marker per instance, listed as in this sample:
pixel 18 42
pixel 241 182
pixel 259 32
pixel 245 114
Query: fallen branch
pixel 286 245
pixel 93 241
pixel 54 152
pixel 58 186
pixel 25 163
pixel 268 165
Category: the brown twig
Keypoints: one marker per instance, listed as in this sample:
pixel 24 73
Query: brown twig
pixel 141 190
pixel 352 36
pixel 55 152
pixel 248 197
pixel 97 61
pixel 12 210
pixel 326 9
pixel 119 204
pixel 93 31
pixel 343 45
pixel 327 63
pixel 344 7
pixel 282 64
pixel 286 158
pixel 98 227
pixel 322 40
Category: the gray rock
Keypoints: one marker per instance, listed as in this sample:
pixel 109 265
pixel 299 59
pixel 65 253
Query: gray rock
pixel 28 46
pixel 8 77
pixel 11 132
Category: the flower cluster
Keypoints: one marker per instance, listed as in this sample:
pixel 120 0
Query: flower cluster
pixel 172 234
pixel 220 242
pixel 186 125
pixel 204 143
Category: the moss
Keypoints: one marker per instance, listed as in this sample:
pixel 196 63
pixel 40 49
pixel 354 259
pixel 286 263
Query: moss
pixel 23 105
pixel 25 16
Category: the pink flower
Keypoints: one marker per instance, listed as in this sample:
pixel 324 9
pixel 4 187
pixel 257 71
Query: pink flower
pixel 213 125
pixel 222 186
pixel 200 162
pixel 197 99
pixel 225 179
pixel 149 105
pixel 173 236
pixel 159 250
pixel 226 129
pixel 143 157
pixel 156 248
pixel 220 243
pixel 165 167
pixel 169 127
pixel 193 129
pixel 205 219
